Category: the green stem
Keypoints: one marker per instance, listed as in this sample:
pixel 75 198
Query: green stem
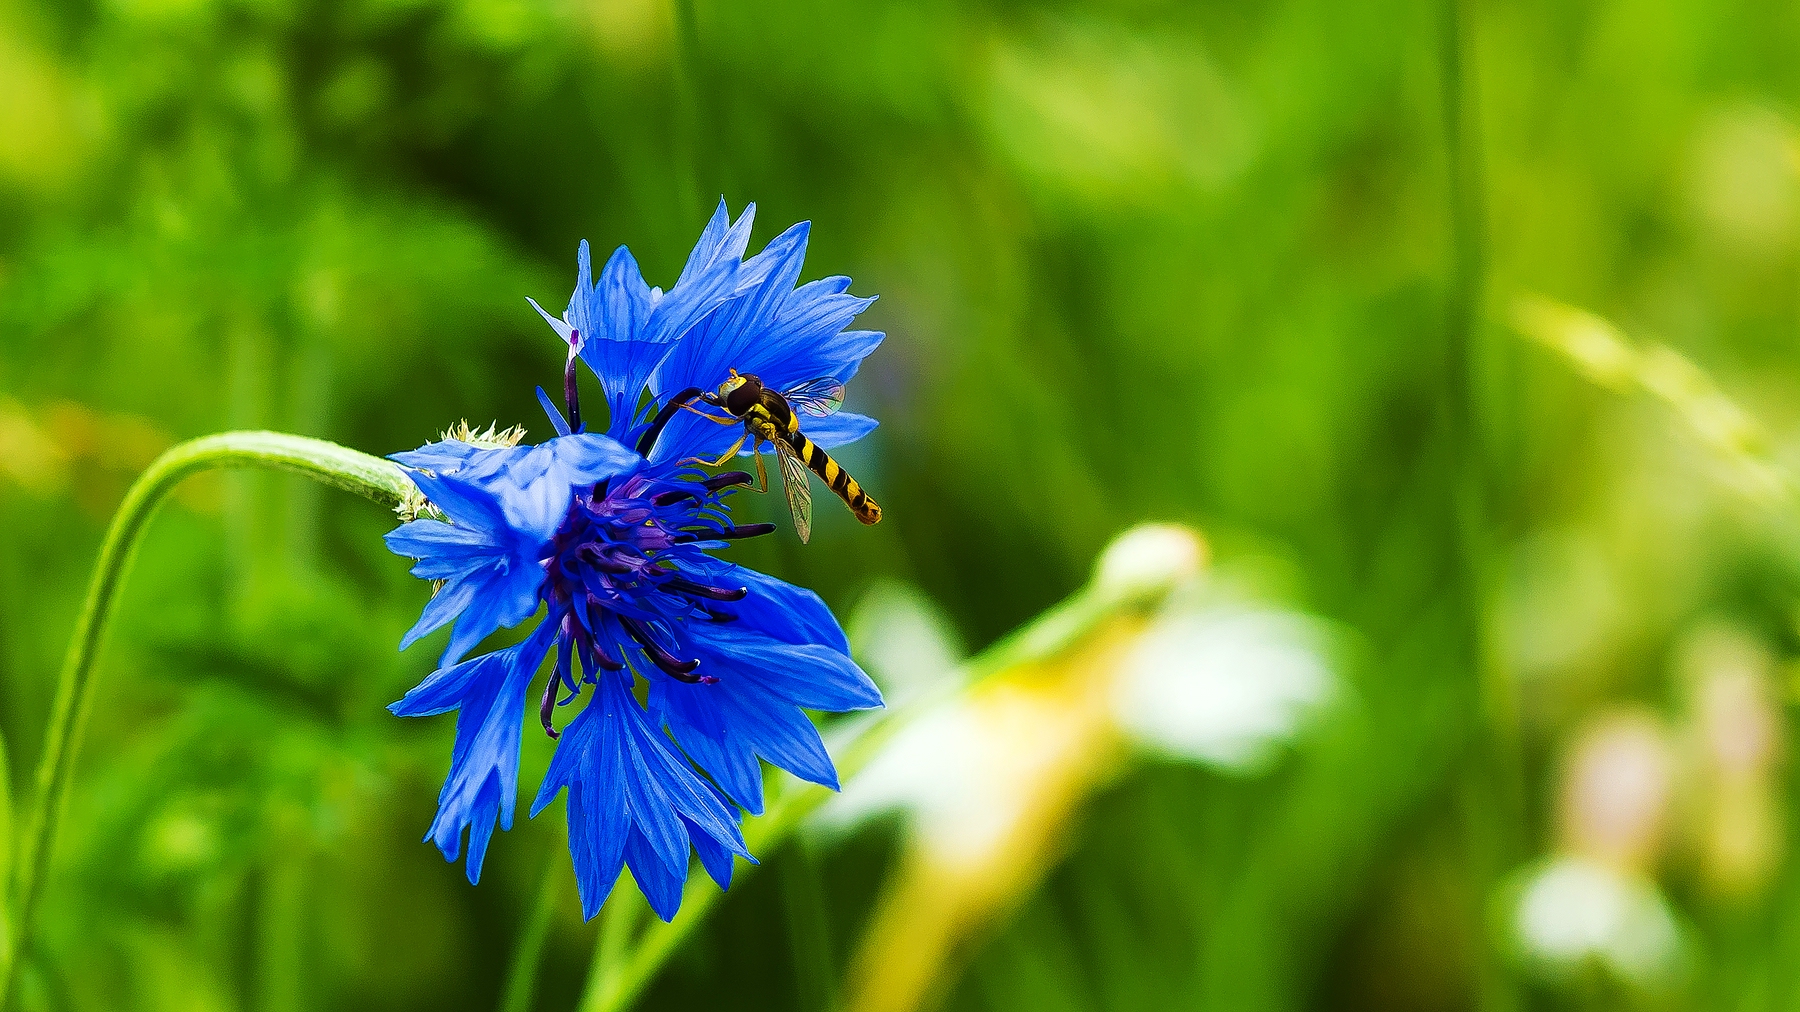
pixel 618 920
pixel 6 859
pixel 1493 788
pixel 809 926
pixel 370 477
pixel 281 916
pixel 521 976
pixel 687 134
pixel 1049 635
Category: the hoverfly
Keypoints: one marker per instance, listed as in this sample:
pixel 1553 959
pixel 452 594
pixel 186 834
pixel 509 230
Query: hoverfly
pixel 771 417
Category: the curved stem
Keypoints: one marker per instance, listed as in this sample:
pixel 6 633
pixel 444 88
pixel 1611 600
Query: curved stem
pixel 370 477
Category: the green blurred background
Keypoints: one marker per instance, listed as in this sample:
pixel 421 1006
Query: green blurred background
pixel 1246 267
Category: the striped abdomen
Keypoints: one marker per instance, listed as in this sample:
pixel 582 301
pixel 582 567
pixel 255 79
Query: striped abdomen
pixel 847 489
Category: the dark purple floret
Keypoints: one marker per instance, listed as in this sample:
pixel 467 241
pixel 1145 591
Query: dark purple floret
pixel 627 565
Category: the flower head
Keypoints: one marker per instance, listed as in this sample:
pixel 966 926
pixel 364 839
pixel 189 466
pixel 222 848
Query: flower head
pixel 611 538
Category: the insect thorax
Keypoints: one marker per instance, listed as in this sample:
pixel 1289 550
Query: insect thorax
pixel 762 424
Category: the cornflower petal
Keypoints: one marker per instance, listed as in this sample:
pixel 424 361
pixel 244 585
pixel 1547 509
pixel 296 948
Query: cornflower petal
pixel 770 329
pixel 613 548
pixel 482 788
pixel 630 799
pixel 784 653
pixel 443 457
pixel 840 429
pixel 488 568
pixel 624 328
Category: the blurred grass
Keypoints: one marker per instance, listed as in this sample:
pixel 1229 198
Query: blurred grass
pixel 1137 260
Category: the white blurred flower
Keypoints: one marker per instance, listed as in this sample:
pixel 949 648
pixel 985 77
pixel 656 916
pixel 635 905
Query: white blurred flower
pixel 1226 685
pixel 1149 559
pixel 1573 912
pixel 990 776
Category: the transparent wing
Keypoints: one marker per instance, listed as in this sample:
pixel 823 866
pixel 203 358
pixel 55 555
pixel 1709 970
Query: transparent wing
pixel 816 397
pixel 795 482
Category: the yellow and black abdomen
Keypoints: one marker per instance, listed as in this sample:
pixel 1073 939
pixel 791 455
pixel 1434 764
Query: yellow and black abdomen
pixel 846 488
pixel 772 415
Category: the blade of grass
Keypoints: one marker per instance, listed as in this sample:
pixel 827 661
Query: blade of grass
pixel 6 854
pixel 619 919
pixel 1604 354
pixel 1495 784
pixel 809 928
pixel 521 975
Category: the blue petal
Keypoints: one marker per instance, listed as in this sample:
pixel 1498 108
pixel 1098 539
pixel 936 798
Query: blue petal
pixel 505 600
pixel 628 328
pixel 660 884
pixel 443 457
pixel 433 539
pixel 598 825
pixel 806 674
pixel 651 809
pixel 443 608
pixel 505 505
pixel 842 355
pixel 838 429
pixel 482 786
pixel 489 575
pixel 783 335
pixel 554 413
pixel 719 241
pixel 618 349
pixel 536 486
pixel 709 728
pixel 445 688
pixel 784 611
pixel 631 799
pixel 727 726
pixel 466 504
pixel 565 331
pixel 728 338
pixel 481 817
pixel 716 858
pixel 764 678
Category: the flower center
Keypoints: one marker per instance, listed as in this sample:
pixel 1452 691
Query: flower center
pixel 629 567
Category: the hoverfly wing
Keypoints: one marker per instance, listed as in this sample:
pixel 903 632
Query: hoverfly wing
pixel 794 481
pixel 816 397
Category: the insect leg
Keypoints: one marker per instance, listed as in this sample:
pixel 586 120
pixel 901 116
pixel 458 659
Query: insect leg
pixel 709 416
pixel 727 455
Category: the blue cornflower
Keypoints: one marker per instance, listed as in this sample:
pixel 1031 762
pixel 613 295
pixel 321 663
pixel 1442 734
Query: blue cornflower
pixel 611 537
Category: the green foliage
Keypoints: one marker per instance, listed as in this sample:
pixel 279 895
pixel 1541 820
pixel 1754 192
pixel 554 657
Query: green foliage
pixel 1138 259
